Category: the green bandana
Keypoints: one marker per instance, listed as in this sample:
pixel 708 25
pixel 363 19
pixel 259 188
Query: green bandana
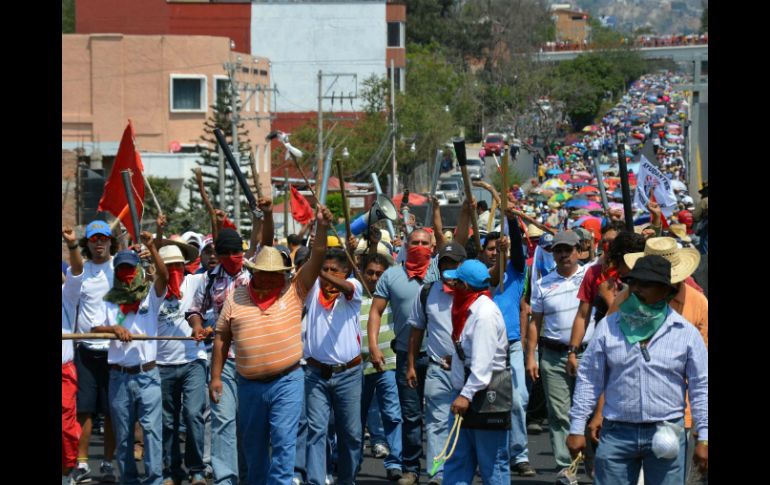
pixel 121 293
pixel 639 321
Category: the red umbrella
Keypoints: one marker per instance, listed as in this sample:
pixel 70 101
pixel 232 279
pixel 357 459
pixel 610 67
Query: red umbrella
pixel 583 174
pixel 414 199
pixel 565 176
pixel 587 189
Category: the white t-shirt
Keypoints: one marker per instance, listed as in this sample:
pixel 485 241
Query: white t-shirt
pixel 70 292
pixel 333 336
pixel 556 298
pixel 485 344
pixel 97 280
pixel 145 322
pixel 171 322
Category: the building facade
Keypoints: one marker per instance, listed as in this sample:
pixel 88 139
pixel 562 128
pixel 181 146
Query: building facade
pixel 571 26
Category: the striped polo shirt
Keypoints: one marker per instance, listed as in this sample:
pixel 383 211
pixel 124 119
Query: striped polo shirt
pixel 268 341
pixel 386 335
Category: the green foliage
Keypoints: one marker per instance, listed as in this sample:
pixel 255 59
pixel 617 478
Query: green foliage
pixel 514 177
pixel 168 198
pixel 604 37
pixel 67 16
pixel 334 203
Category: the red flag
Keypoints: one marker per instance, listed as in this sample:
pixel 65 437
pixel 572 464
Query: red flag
pixel 114 199
pixel 300 207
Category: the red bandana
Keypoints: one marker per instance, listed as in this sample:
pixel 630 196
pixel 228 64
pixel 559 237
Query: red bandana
pixel 193 266
pixel 417 261
pixel 127 308
pixel 461 303
pixel 125 273
pixel 175 277
pixel 232 263
pixel 266 290
pixel 328 293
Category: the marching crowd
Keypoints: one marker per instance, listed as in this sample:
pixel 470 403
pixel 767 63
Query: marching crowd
pixel 274 357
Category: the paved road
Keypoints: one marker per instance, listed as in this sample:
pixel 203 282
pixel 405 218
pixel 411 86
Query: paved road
pixel 373 472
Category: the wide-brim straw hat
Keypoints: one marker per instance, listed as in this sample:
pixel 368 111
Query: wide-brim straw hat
pixel 381 249
pixel 268 259
pixel 684 261
pixel 189 251
pixel 534 231
pixel 680 231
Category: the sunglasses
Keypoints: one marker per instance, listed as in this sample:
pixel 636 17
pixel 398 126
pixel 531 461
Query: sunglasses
pixel 98 238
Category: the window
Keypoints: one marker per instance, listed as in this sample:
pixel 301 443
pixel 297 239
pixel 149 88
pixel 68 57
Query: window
pixel 400 80
pixel 188 93
pixel 221 86
pixel 396 34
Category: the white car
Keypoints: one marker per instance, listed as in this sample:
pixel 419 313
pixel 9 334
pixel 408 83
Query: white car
pixel 442 200
pixel 451 189
pixel 475 169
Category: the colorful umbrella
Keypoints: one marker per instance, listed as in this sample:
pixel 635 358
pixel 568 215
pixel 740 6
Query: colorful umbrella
pixel 553 184
pixel 414 199
pixel 560 197
pixel 577 204
pixel 583 175
pixel 587 189
pixel 555 171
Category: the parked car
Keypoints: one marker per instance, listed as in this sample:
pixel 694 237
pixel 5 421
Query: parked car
pixel 442 200
pixel 494 143
pixel 451 189
pixel 475 169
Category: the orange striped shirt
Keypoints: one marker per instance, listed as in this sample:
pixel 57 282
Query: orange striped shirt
pixel 267 342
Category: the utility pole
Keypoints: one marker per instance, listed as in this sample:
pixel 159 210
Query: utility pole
pixel 234 119
pixel 393 175
pixel 320 146
pixel 286 192
pixel 221 156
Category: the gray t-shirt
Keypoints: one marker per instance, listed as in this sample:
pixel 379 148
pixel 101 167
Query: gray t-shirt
pixel 400 291
pixel 439 311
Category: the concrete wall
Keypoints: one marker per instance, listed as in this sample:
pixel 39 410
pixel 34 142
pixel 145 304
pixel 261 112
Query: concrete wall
pixel 301 38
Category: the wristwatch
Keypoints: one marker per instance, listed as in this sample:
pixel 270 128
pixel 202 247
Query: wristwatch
pixel 703 442
pixel 572 350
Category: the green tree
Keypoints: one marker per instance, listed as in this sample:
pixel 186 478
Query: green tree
pixel 209 165
pixel 67 16
pixel 168 198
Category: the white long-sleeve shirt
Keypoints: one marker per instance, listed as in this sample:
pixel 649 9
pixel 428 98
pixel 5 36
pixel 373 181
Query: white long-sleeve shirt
pixel 485 344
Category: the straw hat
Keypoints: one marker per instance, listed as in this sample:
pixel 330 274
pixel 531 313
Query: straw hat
pixel 189 252
pixel 381 249
pixel 534 231
pixel 268 259
pixel 683 261
pixel 680 231
pixel 171 254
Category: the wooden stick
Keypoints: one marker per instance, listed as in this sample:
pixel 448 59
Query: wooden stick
pixel 152 193
pixel 492 190
pixel 206 201
pixel 255 174
pixel 344 199
pixel 112 336
pixel 503 209
pixel 334 230
pixel 532 221
pixel 491 221
pixel 116 222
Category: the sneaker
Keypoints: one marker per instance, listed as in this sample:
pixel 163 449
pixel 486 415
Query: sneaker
pixel 380 451
pixel 534 428
pixel 524 469
pixel 436 481
pixel 197 479
pixel 330 480
pixel 408 478
pixel 170 481
pixel 393 474
pixel 82 473
pixel 296 481
pixel 108 472
pixel 209 473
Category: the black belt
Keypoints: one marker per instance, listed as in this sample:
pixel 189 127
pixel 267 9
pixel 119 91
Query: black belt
pixel 273 377
pixel 327 370
pixel 135 369
pixel 557 346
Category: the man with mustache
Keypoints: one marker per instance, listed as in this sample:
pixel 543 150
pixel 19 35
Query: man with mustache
pixel 554 304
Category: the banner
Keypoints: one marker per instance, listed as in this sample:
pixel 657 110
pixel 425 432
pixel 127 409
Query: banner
pixel 651 178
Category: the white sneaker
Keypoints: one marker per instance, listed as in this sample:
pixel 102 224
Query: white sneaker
pixel 81 474
pixel 330 480
pixel 380 451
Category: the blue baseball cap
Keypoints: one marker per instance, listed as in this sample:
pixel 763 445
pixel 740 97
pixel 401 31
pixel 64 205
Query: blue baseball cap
pixel 546 240
pixel 472 271
pixel 127 256
pixel 98 227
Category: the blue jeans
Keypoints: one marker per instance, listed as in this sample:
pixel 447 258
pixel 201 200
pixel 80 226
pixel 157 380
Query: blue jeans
pixel 340 394
pixel 624 448
pixel 384 384
pixel 300 461
pixel 134 398
pixel 184 400
pixel 226 454
pixel 439 395
pixel 373 421
pixel 411 410
pixel 518 432
pixel 269 416
pixel 486 449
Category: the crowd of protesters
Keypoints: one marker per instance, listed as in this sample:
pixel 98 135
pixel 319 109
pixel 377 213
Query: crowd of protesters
pixel 298 349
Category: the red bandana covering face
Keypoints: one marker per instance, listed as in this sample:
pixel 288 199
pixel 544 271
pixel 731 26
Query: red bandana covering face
pixel 232 263
pixel 461 303
pixel 328 293
pixel 126 274
pixel 265 288
pixel 175 277
pixel 417 261
pixel 193 266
